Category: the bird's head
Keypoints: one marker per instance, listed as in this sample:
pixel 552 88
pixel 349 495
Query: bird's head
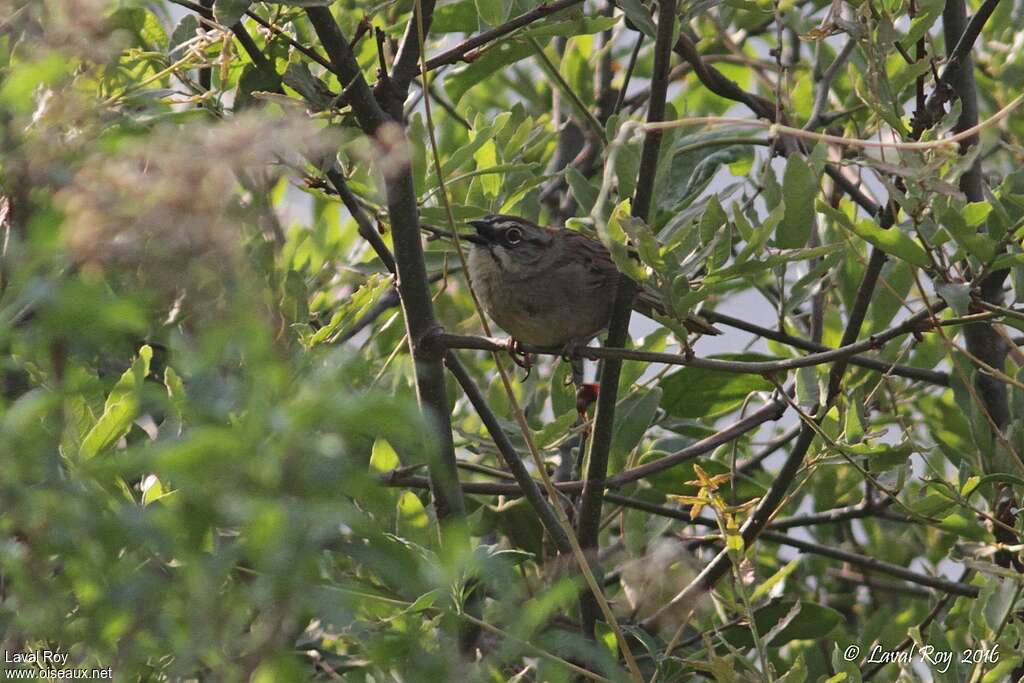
pixel 510 240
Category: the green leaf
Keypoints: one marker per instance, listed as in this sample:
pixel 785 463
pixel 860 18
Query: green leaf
pixel 614 238
pixel 807 393
pixel 975 213
pixel 412 520
pixel 120 409
pixel 638 15
pixel 457 17
pixel 927 12
pixel 459 81
pixel 493 12
pixel 359 303
pixel 152 489
pixel 383 457
pixel 312 89
pixel 487 157
pixel 760 234
pixel 582 189
pixel 933 504
pixel 766 587
pixel 712 220
pixel 799 188
pixel 556 429
pixel 230 12
pixel 177 398
pixel 254 80
pixel 893 242
pixel 632 418
pixel 962 227
pixel 813 622
pixel 699 392
pixel 957 295
pixel 573 27
pixel 183 32
pixel 797 671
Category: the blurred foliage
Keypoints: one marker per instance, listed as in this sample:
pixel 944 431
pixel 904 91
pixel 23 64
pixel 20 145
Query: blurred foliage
pixel 205 377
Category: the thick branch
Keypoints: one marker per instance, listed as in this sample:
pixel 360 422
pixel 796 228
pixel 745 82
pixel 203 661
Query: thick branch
pixel 368 112
pixel 406 65
pixel 961 54
pixel 527 484
pixel 618 330
pixel 982 340
pixel 413 287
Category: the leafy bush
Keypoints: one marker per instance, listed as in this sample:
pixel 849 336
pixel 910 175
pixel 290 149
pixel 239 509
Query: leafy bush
pixel 248 427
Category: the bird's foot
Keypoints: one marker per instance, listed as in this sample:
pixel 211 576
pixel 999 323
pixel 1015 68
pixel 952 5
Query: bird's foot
pixel 687 349
pixel 520 357
pixel 572 348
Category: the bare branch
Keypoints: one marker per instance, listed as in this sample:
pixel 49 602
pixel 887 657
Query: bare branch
pixel 461 51
pixel 589 524
pixel 920 374
pixel 406 65
pixel 917 323
pixel 413 287
pixel 527 485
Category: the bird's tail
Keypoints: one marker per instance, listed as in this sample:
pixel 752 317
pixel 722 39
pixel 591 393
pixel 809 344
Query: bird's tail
pixel 648 302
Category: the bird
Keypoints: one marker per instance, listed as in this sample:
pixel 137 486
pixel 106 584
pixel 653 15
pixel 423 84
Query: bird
pixel 549 287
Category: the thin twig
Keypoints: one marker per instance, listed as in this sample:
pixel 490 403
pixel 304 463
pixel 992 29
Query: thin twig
pixel 916 323
pixel 920 374
pixel 825 84
pixel 461 51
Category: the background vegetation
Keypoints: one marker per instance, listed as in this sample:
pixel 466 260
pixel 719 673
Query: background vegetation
pixel 253 428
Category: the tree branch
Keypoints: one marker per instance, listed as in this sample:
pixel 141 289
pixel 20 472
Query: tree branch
pixel 961 54
pixel 413 287
pixel 716 82
pixel 874 565
pixel 920 374
pixel 916 323
pixel 461 51
pixel 365 226
pixel 982 340
pixel 592 498
pixel 527 484
pixel 840 514
pixel 406 65
pixel 767 413
pixel 865 292
pixel 366 108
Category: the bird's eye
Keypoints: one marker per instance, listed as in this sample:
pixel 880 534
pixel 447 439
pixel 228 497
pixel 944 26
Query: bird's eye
pixel 513 236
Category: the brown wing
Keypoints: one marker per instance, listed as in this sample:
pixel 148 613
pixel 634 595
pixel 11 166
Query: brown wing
pixel 648 302
pixel 604 273
pixel 601 272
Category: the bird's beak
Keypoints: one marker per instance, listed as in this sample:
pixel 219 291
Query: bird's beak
pixel 484 232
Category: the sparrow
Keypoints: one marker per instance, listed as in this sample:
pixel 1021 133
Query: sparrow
pixel 549 287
